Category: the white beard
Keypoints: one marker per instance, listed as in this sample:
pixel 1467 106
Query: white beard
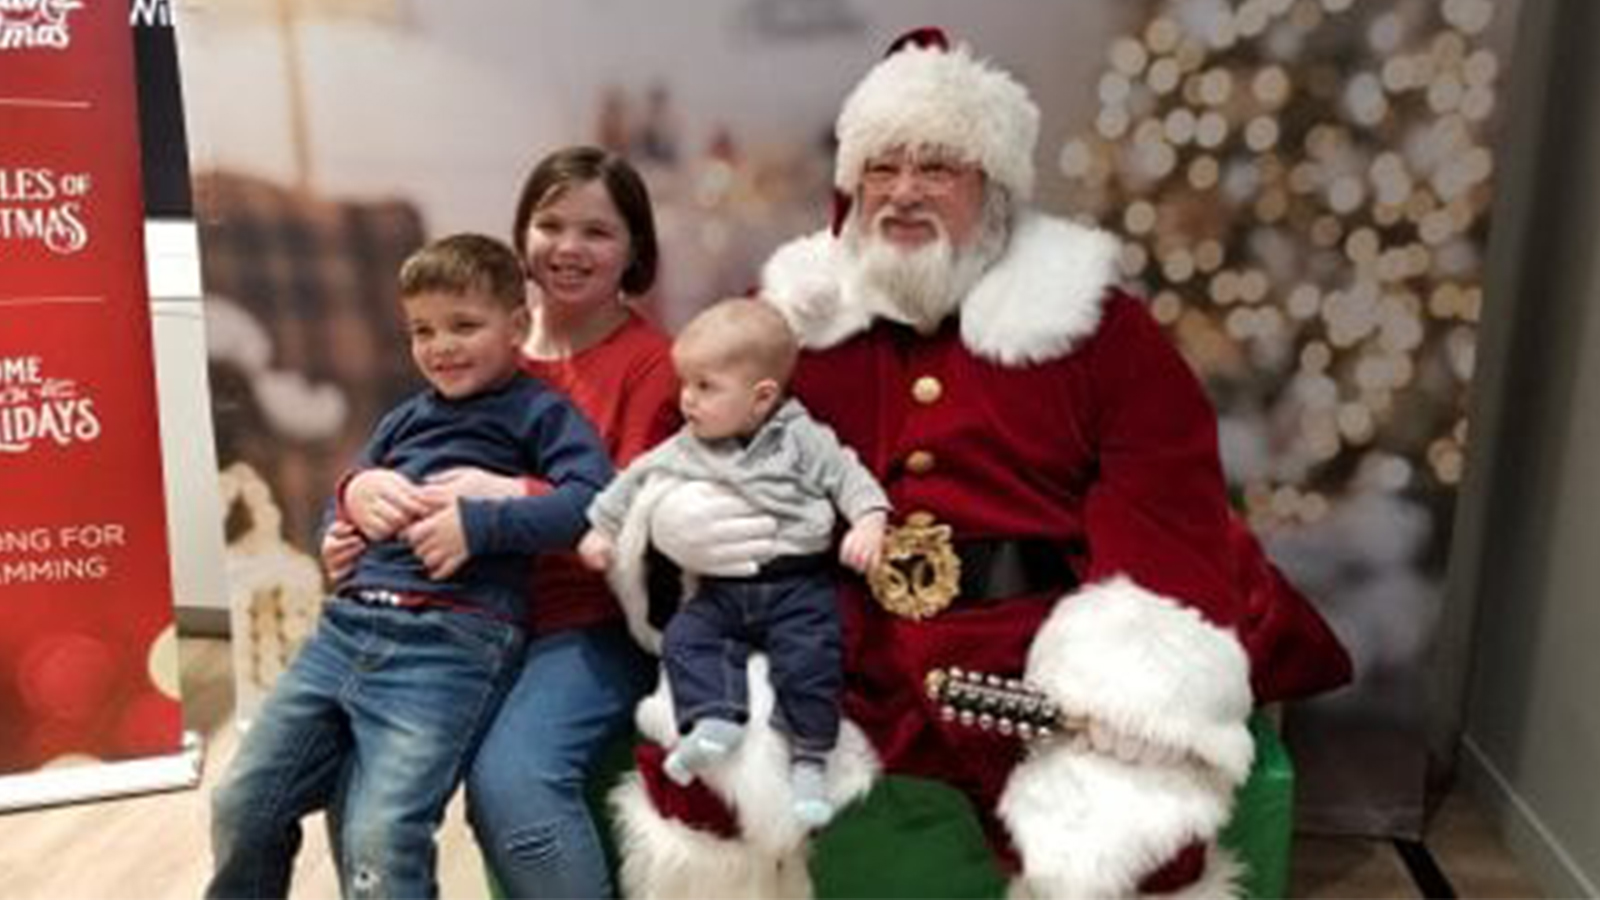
pixel 919 287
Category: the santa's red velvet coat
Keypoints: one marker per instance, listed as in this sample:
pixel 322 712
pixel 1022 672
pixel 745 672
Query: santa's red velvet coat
pixel 1108 452
pixel 1053 408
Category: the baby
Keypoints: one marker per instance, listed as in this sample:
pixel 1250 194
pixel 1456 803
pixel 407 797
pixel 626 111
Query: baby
pixel 734 360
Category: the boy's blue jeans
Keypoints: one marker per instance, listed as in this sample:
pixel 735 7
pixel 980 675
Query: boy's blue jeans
pixel 382 709
pixel 525 791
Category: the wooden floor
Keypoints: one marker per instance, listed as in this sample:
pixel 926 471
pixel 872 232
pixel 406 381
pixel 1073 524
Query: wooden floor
pixel 155 846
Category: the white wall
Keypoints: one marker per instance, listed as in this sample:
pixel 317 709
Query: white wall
pixel 188 447
pixel 484 88
pixel 1527 556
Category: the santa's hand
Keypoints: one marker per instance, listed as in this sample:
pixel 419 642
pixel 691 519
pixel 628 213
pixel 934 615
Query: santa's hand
pixel 709 530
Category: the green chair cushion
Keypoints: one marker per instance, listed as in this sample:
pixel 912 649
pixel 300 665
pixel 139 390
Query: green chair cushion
pixel 951 859
pixel 865 852
pixel 1261 832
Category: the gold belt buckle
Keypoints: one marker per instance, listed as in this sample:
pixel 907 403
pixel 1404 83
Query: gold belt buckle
pixel 920 574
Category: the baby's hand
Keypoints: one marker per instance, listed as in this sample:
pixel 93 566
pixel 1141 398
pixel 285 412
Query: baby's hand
pixel 862 548
pixel 596 550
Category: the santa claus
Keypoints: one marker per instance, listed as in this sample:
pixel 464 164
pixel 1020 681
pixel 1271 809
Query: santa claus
pixel 1062 518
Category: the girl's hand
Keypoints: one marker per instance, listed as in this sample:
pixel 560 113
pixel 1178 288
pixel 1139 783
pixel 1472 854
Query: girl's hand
pixel 596 550
pixel 342 545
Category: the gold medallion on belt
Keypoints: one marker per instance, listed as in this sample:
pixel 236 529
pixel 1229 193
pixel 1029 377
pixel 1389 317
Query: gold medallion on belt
pixel 920 574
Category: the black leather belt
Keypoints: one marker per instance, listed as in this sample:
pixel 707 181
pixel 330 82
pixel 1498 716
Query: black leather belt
pixel 990 570
pixel 994 569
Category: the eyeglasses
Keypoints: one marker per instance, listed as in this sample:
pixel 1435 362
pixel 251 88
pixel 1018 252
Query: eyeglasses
pixel 932 176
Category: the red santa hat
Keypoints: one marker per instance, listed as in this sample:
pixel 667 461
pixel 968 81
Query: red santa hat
pixel 924 93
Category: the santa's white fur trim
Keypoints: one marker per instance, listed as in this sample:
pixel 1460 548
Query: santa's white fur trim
pixel 1043 295
pixel 804 279
pixel 754 779
pixel 1148 670
pixel 664 858
pixel 1041 298
pixel 627 573
pixel 754 783
pixel 931 97
pixel 1088 824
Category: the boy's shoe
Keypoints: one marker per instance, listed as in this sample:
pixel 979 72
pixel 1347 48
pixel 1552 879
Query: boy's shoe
pixel 709 741
pixel 677 768
pixel 813 813
pixel 810 786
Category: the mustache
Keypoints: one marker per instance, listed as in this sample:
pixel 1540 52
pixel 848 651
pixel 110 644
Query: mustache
pixel 916 214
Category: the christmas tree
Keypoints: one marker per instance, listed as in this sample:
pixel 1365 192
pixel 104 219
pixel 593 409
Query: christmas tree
pixel 1303 192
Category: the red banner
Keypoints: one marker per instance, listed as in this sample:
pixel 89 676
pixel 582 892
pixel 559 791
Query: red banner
pixel 87 655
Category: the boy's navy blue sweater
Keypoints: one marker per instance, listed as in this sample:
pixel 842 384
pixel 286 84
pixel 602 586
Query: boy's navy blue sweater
pixel 521 428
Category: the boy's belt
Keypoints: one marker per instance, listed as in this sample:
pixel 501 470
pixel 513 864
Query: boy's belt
pixel 400 599
pixel 413 600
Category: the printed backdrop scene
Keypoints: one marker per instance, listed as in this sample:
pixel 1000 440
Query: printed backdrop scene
pixel 1302 186
pixel 88 653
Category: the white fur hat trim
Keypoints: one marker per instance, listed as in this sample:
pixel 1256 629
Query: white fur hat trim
pixel 928 96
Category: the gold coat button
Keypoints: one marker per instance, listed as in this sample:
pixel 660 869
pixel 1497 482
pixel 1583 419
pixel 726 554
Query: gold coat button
pixel 919 462
pixel 927 389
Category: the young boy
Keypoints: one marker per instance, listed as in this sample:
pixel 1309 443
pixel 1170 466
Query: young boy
pixel 734 361
pixel 379 712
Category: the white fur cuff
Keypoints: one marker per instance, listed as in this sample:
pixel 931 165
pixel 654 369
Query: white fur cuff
pixel 1150 670
pixel 665 858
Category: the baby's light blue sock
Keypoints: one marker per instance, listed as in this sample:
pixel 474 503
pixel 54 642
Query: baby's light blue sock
pixel 707 742
pixel 809 782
